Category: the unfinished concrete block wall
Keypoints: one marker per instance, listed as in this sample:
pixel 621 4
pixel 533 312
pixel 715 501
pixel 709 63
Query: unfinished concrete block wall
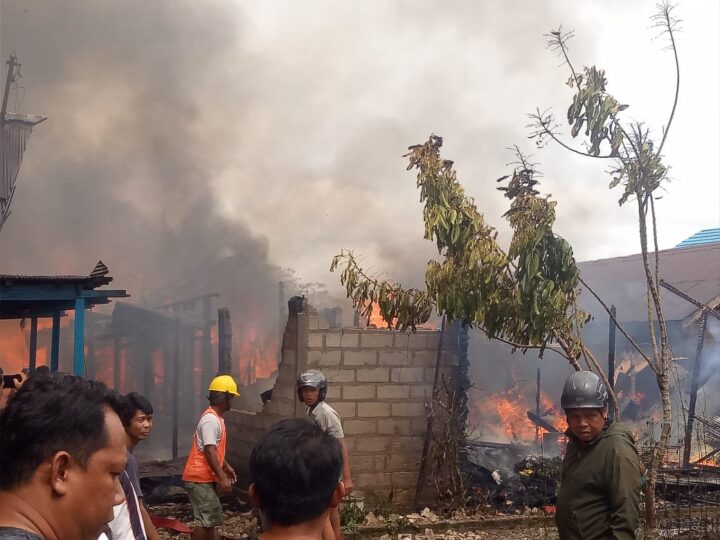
pixel 379 381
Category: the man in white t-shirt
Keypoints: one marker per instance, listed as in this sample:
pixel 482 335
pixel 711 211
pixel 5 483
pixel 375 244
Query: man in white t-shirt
pixel 311 390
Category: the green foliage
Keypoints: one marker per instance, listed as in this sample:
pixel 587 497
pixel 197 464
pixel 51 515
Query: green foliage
pixel 526 296
pixel 641 172
pixel 352 515
pixel 403 308
pixel 639 167
pixel 596 110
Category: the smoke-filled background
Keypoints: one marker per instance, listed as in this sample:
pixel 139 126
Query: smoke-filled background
pixel 180 133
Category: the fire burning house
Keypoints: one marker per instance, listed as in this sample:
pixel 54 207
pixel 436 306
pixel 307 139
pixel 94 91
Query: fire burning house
pixel 511 388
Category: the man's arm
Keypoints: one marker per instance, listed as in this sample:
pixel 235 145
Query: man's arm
pixel 150 529
pixel 224 485
pixel 624 491
pixel 229 471
pixel 347 479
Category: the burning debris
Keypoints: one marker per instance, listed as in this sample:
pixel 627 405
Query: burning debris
pixel 506 476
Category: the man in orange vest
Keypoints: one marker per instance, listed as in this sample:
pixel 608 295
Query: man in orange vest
pixel 207 475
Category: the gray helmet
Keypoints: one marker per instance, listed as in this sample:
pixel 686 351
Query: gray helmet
pixel 313 378
pixel 584 390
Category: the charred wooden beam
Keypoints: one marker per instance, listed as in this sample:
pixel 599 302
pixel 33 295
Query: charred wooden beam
pixel 694 388
pixel 538 421
pixel 715 313
pixel 611 354
pixel 224 341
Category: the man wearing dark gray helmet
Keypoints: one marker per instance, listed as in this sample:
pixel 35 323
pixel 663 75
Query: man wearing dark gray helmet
pixel 599 494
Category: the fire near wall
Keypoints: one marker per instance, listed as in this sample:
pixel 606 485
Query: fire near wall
pixel 379 381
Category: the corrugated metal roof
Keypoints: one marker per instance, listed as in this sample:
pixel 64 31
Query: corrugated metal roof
pixel 31 119
pixel 99 276
pixel 706 236
pixel 621 281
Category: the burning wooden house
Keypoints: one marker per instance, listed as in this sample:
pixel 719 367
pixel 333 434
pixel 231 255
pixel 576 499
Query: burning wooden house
pixel 513 385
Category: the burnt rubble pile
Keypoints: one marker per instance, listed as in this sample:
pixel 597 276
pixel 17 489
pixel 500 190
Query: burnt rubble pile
pixel 507 476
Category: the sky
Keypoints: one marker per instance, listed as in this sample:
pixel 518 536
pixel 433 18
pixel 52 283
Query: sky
pixel 181 131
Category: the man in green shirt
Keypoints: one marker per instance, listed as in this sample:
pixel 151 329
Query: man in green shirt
pixel 599 494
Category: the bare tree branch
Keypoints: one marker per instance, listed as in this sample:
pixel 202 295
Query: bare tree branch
pixel 617 324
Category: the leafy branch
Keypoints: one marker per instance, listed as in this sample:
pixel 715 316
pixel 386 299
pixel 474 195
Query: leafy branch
pixel 640 171
pixel 525 296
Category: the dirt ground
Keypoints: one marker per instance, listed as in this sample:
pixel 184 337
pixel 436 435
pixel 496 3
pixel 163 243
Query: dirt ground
pixel 427 526
pixel 239 525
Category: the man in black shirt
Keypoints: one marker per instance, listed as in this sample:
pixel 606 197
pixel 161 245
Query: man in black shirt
pixel 295 473
pixel 61 452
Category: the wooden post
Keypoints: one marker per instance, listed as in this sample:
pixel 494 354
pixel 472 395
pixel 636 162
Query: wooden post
pixel 175 369
pixel 282 321
pixel 149 372
pixel 33 344
pixel 224 326
pixel 206 340
pixel 116 362
pixel 192 372
pixel 55 342
pixel 79 356
pixel 694 389
pixel 428 426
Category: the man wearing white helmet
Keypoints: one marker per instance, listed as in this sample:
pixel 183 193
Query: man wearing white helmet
pixel 207 475
pixel 311 390
pixel 599 496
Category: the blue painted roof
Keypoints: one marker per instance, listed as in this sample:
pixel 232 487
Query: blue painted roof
pixel 706 236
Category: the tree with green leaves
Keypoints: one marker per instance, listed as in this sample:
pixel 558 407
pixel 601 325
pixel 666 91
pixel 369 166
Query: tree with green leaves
pixel 526 295
pixel 638 168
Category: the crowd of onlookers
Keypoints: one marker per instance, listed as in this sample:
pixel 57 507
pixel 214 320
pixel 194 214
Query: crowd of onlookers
pixel 67 470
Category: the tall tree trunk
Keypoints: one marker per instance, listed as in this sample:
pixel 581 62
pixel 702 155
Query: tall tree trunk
pixel 657 455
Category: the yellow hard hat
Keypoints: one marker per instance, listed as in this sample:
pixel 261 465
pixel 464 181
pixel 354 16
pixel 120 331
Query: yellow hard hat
pixel 224 383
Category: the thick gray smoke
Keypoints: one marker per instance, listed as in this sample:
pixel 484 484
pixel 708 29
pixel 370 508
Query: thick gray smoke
pixel 181 132
pixel 123 170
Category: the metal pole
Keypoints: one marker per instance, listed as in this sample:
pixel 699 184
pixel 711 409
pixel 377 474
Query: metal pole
pixel 428 427
pixel 611 357
pixel 79 356
pixel 33 344
pixel 694 389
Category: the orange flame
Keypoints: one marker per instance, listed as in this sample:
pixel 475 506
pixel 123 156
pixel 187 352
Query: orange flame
pixel 255 353
pixel 376 320
pixel 509 410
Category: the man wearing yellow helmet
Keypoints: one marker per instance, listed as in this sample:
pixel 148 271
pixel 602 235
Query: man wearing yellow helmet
pixel 207 475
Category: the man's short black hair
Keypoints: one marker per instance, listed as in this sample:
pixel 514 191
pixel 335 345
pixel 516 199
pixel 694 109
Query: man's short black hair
pixel 218 398
pixel 42 370
pixel 295 467
pixel 135 402
pixel 48 414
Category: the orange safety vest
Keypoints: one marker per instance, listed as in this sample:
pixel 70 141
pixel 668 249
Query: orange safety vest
pixel 197 468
